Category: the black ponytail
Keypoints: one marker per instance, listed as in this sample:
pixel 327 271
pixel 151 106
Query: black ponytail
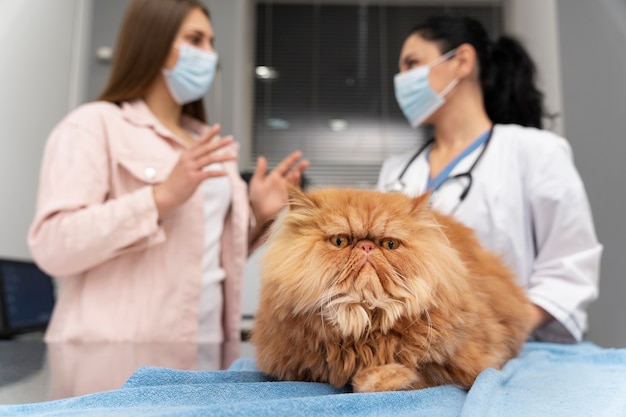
pixel 510 93
pixel 507 72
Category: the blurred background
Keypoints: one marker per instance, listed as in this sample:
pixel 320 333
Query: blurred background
pixel 317 76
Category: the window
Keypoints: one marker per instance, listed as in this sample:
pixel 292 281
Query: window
pixel 324 85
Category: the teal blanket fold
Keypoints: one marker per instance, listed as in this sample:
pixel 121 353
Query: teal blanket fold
pixel 545 380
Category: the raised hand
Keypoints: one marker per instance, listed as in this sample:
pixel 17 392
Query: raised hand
pixel 190 170
pixel 268 192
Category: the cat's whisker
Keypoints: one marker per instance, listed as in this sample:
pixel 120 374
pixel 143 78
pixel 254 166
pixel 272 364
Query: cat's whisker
pixel 402 282
pixel 325 303
pixel 428 335
pixel 310 317
pixel 323 323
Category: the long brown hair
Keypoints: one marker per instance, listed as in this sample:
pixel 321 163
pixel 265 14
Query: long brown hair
pixel 144 41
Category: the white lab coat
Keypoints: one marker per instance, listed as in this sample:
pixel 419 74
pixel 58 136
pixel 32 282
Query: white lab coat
pixel 527 202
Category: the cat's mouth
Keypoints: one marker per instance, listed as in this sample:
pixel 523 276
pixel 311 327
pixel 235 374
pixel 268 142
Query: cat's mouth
pixel 367 263
pixel 367 271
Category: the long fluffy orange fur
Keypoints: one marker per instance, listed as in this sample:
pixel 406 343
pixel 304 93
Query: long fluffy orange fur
pixel 380 292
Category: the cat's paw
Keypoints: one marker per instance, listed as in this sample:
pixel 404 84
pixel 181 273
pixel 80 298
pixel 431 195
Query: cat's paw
pixel 390 377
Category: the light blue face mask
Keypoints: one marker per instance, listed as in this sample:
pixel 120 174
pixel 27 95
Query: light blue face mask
pixel 192 75
pixel 416 98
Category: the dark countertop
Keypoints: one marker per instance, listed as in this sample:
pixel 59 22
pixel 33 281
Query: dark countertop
pixel 33 371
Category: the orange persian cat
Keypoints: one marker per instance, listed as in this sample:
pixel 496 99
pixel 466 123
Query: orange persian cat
pixel 380 292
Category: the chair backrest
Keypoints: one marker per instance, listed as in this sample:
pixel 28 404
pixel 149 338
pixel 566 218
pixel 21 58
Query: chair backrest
pixel 26 298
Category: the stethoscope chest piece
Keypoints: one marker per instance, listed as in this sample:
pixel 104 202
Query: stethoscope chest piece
pixel 395 186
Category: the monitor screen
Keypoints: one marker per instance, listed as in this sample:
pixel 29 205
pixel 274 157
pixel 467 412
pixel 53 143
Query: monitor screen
pixel 26 296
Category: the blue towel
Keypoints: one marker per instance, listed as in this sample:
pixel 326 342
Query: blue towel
pixel 545 380
pixel 553 380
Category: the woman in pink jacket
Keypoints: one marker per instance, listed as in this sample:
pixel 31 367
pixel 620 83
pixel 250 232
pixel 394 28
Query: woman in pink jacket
pixel 141 212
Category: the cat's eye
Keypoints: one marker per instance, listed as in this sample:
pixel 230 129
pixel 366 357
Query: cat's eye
pixel 390 244
pixel 341 241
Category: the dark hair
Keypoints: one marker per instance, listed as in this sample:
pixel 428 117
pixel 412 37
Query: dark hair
pixel 507 72
pixel 144 41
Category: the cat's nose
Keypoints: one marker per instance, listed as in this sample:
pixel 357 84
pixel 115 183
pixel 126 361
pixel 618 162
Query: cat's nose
pixel 366 246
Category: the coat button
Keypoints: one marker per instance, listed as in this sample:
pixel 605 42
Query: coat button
pixel 150 173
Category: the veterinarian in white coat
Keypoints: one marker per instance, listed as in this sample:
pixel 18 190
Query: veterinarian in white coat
pixel 493 168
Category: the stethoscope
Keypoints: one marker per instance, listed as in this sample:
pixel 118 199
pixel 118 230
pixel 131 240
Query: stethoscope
pixel 399 186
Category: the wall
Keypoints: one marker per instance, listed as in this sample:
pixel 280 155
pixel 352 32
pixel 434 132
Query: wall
pixel 535 23
pixel 41 43
pixel 230 101
pixel 593 57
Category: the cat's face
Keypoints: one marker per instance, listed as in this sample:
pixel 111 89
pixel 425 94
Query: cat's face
pixel 361 259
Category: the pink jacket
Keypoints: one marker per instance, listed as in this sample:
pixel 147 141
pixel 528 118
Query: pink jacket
pixel 123 275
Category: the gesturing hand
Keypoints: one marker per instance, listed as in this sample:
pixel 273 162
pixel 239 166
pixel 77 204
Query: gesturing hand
pixel 189 171
pixel 268 192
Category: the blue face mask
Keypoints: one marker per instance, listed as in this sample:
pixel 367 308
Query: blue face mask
pixel 416 98
pixel 192 75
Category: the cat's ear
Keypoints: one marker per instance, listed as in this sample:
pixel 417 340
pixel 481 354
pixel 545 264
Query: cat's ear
pixel 420 202
pixel 297 199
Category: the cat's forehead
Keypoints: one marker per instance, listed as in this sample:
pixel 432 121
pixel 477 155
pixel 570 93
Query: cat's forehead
pixel 363 218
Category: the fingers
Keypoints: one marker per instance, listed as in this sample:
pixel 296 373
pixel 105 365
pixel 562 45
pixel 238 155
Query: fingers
pixel 261 167
pixel 294 176
pixel 212 158
pixel 210 142
pixel 208 134
pixel 290 169
pixel 199 150
pixel 287 163
pixel 212 173
pixel 218 150
pixel 302 166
